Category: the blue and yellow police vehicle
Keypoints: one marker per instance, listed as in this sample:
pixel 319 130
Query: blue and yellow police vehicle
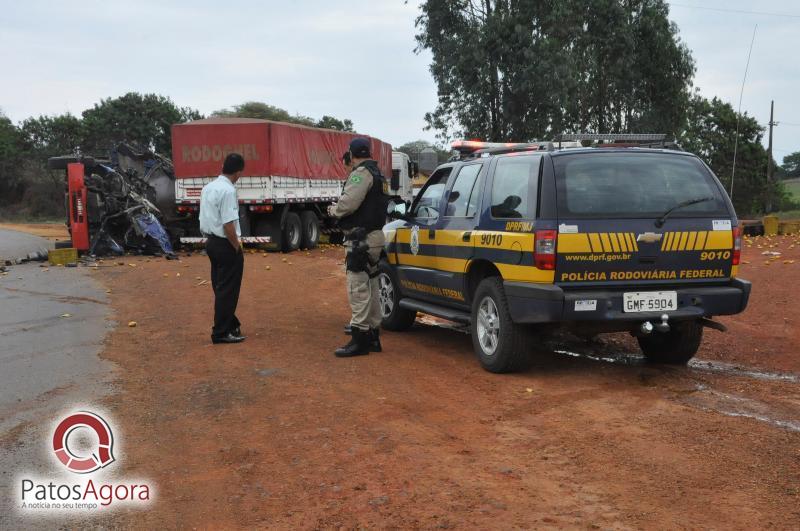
pixel 517 239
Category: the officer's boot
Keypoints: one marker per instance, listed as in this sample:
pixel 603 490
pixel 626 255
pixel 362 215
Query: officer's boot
pixel 359 344
pixel 348 329
pixel 375 340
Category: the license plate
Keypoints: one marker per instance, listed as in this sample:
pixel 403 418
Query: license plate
pixel 650 301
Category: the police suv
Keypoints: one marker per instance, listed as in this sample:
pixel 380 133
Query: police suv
pixel 512 238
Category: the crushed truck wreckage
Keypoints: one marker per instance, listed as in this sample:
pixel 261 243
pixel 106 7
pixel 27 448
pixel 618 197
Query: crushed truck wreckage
pixel 130 202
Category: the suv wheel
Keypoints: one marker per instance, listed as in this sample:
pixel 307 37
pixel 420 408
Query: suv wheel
pixel 500 344
pixel 395 318
pixel 675 347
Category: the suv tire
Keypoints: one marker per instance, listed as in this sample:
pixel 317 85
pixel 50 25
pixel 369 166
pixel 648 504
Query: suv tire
pixel 500 344
pixel 675 347
pixel 395 318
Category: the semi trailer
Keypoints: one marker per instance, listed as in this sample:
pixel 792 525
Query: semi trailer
pixel 292 174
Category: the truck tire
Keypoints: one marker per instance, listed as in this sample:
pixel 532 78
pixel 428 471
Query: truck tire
pixel 395 318
pixel 500 344
pixel 292 233
pixel 310 224
pixel 675 347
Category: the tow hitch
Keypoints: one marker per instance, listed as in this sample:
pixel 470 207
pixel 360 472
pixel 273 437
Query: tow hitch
pixel 647 327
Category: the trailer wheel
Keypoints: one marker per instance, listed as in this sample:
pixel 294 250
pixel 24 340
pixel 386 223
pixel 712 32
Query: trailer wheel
pixel 292 233
pixel 310 225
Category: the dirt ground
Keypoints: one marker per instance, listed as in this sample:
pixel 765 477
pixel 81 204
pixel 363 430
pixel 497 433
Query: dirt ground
pixel 48 231
pixel 277 432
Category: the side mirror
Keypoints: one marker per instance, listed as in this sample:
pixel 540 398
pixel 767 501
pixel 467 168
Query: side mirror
pixel 397 208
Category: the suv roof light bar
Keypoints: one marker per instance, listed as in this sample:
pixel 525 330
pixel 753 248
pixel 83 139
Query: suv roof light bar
pixel 618 137
pixel 478 148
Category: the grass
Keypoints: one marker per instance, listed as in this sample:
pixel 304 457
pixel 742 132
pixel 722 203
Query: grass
pixel 793 187
pixel 789 214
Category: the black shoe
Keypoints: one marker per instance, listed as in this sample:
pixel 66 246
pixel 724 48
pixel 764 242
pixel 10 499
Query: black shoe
pixel 375 340
pixel 238 332
pixel 348 329
pixel 229 338
pixel 358 346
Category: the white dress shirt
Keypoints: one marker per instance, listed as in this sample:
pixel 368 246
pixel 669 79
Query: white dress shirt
pixel 219 205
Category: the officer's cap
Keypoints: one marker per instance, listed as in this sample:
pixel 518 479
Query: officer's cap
pixel 359 147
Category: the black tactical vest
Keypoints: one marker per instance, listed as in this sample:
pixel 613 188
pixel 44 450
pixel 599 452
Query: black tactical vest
pixel 371 214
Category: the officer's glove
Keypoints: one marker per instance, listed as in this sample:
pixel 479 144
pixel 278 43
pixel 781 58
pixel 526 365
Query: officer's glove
pixel 332 210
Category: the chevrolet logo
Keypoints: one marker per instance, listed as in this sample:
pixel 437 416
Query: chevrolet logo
pixel 649 237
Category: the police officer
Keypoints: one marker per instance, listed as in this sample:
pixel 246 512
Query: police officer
pixel 361 211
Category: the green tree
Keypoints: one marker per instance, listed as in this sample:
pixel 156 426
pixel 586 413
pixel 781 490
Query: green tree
pixel 791 165
pixel 412 149
pixel 264 111
pixel 141 119
pixel 49 136
pixel 329 122
pixel 514 70
pixel 12 157
pixel 710 133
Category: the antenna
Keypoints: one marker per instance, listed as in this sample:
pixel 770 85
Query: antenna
pixel 739 112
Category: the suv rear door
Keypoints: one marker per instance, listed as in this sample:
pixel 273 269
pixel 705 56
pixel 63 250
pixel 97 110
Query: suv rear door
pixel 509 217
pixel 609 204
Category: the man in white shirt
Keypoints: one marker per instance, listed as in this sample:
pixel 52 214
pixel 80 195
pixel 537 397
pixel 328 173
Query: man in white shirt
pixel 219 223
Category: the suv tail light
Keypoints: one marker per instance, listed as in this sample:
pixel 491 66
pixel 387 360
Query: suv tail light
pixel 544 249
pixel 737 245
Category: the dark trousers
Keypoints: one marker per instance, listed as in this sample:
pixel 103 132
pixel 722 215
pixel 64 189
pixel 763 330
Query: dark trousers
pixel 227 266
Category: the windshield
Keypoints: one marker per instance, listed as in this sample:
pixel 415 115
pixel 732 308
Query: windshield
pixel 634 185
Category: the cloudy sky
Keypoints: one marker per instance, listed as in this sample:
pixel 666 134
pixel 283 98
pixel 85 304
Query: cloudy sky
pixel 315 57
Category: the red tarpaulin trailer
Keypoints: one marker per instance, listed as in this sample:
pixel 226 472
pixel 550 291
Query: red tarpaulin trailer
pixel 292 173
pixel 269 149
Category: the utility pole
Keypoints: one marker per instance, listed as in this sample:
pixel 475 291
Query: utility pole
pixel 769 156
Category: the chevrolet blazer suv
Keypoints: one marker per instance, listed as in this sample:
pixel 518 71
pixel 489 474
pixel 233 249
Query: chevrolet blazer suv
pixel 597 240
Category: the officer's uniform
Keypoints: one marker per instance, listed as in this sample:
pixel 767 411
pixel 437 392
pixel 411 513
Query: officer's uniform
pixel 362 212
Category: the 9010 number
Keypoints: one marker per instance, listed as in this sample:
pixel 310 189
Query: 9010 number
pixel 491 239
pixel 715 255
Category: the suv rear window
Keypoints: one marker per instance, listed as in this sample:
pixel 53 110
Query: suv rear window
pixel 634 185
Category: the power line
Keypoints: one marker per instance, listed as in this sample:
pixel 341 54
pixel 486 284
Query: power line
pixel 739 11
pixel 739 112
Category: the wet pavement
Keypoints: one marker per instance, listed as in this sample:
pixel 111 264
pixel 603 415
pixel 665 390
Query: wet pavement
pixel 53 321
pixel 16 245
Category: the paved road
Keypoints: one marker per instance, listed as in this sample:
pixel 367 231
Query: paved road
pixel 52 325
pixel 15 244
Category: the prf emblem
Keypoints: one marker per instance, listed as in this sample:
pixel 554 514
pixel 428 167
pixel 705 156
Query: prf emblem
pixel 649 237
pixel 414 244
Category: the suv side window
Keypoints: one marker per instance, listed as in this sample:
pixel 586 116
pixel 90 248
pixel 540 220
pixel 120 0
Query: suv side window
pixel 427 203
pixel 515 187
pixel 463 199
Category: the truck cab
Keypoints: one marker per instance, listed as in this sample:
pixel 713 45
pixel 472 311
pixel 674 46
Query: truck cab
pixel 403 173
pixel 518 240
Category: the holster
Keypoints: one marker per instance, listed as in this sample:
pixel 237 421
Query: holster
pixel 357 259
